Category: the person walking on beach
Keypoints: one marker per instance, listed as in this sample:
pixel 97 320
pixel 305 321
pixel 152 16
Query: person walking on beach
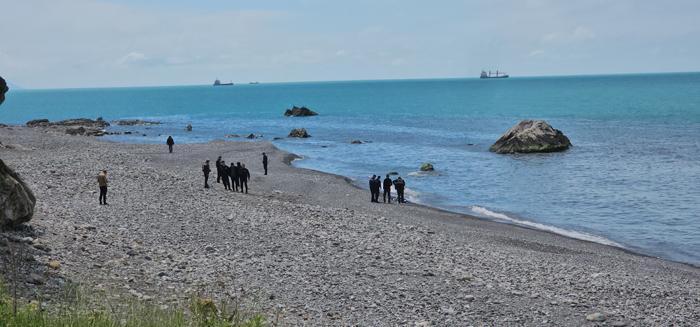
pixel 244 176
pixel 387 189
pixel 170 142
pixel 371 188
pixel 400 185
pixel 265 163
pixel 102 182
pixel 206 169
pixel 239 175
pixel 218 169
pixel 234 172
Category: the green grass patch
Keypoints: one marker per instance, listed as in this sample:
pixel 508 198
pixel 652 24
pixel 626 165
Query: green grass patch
pixel 76 311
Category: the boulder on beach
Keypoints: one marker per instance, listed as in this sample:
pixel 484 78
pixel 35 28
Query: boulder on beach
pixel 300 112
pixel 251 136
pixel 230 136
pixel 16 199
pixel 299 132
pixel 135 122
pixel 531 136
pixel 427 167
pixel 87 131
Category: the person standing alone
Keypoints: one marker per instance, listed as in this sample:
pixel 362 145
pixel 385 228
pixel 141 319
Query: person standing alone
pixel 170 142
pixel 102 182
pixel 265 162
pixel 206 170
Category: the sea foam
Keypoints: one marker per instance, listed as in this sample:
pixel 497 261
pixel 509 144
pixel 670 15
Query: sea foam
pixel 486 213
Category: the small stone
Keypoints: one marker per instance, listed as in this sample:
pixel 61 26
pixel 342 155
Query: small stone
pixel 36 279
pixel 54 264
pixel 469 298
pixel 596 316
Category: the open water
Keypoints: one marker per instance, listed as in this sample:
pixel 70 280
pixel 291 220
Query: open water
pixel 632 178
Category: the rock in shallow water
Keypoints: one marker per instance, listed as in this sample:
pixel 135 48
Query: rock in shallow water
pixel 16 199
pixel 299 132
pixel 300 112
pixel 530 136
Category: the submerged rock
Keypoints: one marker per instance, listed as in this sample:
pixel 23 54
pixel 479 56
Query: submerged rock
pixel 189 127
pixel 427 167
pixel 86 122
pixel 299 132
pixel 300 112
pixel 16 199
pixel 530 136
pixel 356 142
pixel 134 122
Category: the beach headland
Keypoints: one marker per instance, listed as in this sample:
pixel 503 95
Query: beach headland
pixel 311 248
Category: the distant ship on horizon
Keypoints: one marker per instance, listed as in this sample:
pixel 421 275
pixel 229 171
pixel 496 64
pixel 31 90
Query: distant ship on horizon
pixel 217 82
pixel 497 75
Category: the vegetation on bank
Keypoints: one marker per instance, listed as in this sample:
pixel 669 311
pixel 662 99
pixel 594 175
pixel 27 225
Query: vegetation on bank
pixel 76 312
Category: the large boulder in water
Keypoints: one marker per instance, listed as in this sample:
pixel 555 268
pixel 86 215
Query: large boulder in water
pixel 299 132
pixel 427 167
pixel 531 136
pixel 16 199
pixel 300 112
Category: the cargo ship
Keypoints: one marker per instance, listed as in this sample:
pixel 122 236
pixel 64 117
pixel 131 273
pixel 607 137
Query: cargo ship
pixel 217 82
pixel 497 75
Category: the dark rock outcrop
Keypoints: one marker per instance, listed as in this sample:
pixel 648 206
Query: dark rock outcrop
pixel 135 122
pixel 16 199
pixel 531 136
pixel 188 128
pixel 427 167
pixel 299 132
pixel 87 131
pixel 356 142
pixel 38 123
pixel 85 122
pixel 3 89
pixel 300 112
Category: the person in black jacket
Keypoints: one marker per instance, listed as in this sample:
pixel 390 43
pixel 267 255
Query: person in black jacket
pixel 234 172
pixel 387 189
pixel 244 177
pixel 170 142
pixel 400 185
pixel 224 175
pixel 206 170
pixel 265 162
pixel 218 169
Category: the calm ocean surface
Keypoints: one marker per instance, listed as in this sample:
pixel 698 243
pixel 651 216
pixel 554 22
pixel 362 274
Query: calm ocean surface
pixel 632 178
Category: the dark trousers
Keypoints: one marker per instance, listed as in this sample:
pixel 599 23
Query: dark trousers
pixel 218 175
pixel 234 183
pixel 375 195
pixel 265 166
pixel 170 148
pixel 399 197
pixel 103 194
pixel 206 180
pixel 387 195
pixel 227 184
pixel 244 182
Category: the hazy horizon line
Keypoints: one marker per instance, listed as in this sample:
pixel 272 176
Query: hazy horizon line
pixel 24 88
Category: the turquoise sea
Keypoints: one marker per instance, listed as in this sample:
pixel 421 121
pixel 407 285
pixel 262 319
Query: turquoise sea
pixel 632 178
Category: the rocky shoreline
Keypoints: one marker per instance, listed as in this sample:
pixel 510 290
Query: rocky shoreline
pixel 308 248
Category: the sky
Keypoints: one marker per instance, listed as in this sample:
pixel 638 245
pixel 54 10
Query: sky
pixel 103 43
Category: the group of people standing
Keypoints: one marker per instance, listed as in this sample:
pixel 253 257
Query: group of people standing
pixel 234 177
pixel 376 184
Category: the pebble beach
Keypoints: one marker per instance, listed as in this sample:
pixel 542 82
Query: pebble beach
pixel 308 248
